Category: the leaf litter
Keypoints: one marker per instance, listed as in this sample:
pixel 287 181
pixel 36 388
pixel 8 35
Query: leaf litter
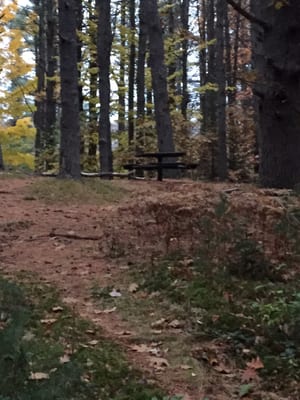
pixel 157 203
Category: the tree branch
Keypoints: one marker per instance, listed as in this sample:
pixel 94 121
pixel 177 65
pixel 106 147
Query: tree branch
pixel 250 17
pixel 71 235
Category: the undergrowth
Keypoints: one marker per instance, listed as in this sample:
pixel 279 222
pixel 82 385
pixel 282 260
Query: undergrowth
pixel 236 284
pixel 91 191
pixel 260 315
pixel 240 296
pixel 47 352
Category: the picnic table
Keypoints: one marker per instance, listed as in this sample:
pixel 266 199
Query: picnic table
pixel 160 165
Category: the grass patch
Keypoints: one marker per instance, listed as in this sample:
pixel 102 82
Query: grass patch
pixel 260 316
pixel 14 174
pixel 93 191
pixel 47 352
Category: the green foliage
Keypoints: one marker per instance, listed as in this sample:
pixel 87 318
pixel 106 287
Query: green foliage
pixel 207 43
pixel 257 315
pixel 241 143
pixel 14 315
pixel 209 86
pixel 245 389
pixel 47 160
pixel 22 352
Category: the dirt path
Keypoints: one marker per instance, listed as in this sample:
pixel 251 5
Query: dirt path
pixel 66 246
pixel 30 241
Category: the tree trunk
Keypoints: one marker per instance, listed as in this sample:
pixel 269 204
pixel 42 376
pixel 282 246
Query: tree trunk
pixel 235 54
pixel 121 81
pixel 221 95
pixel 173 61
pixel 39 116
pixel 79 26
pixel 2 167
pixel 70 128
pixel 184 57
pixel 228 55
pixel 50 137
pixel 131 73
pixel 159 77
pixel 277 62
pixel 104 49
pixel 93 84
pixel 140 74
pixel 211 112
pixel 201 18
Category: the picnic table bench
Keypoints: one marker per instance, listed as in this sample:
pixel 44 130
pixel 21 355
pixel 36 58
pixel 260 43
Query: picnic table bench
pixel 160 165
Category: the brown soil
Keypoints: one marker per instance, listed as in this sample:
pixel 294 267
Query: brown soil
pixel 68 246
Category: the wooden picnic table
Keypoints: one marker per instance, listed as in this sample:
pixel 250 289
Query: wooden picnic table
pixel 160 165
pixel 161 155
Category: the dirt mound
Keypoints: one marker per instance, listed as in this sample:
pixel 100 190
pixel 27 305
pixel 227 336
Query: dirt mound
pixel 75 245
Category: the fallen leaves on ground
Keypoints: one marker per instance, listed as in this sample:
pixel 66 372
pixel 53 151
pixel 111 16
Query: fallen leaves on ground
pixel 248 375
pixel 133 287
pixel 57 309
pixel 176 324
pixel 255 363
pixel 159 323
pixel 64 359
pixel 48 321
pixel 158 363
pixel 38 376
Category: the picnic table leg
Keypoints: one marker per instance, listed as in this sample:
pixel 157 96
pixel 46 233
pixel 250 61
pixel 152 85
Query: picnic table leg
pixel 159 173
pixel 131 173
pixel 159 169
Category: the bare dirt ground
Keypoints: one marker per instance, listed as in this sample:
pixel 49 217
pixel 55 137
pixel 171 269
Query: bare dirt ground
pixel 65 245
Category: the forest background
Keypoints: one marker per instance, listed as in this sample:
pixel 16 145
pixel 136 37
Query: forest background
pixel 94 94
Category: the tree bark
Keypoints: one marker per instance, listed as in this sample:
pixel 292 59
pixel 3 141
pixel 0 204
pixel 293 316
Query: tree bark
pixel 70 128
pixel 51 34
pixel 173 62
pixel 201 17
pixel 2 166
pixel 221 94
pixel 140 74
pixel 79 26
pixel 185 5
pixel 159 77
pixel 93 84
pixel 211 112
pixel 39 116
pixel 277 62
pixel 131 73
pixel 121 81
pixel 104 49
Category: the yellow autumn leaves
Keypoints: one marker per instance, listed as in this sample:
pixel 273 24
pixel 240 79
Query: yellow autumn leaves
pixel 15 86
pixel 16 139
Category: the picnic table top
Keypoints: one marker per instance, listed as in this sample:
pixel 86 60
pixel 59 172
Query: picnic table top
pixel 162 154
